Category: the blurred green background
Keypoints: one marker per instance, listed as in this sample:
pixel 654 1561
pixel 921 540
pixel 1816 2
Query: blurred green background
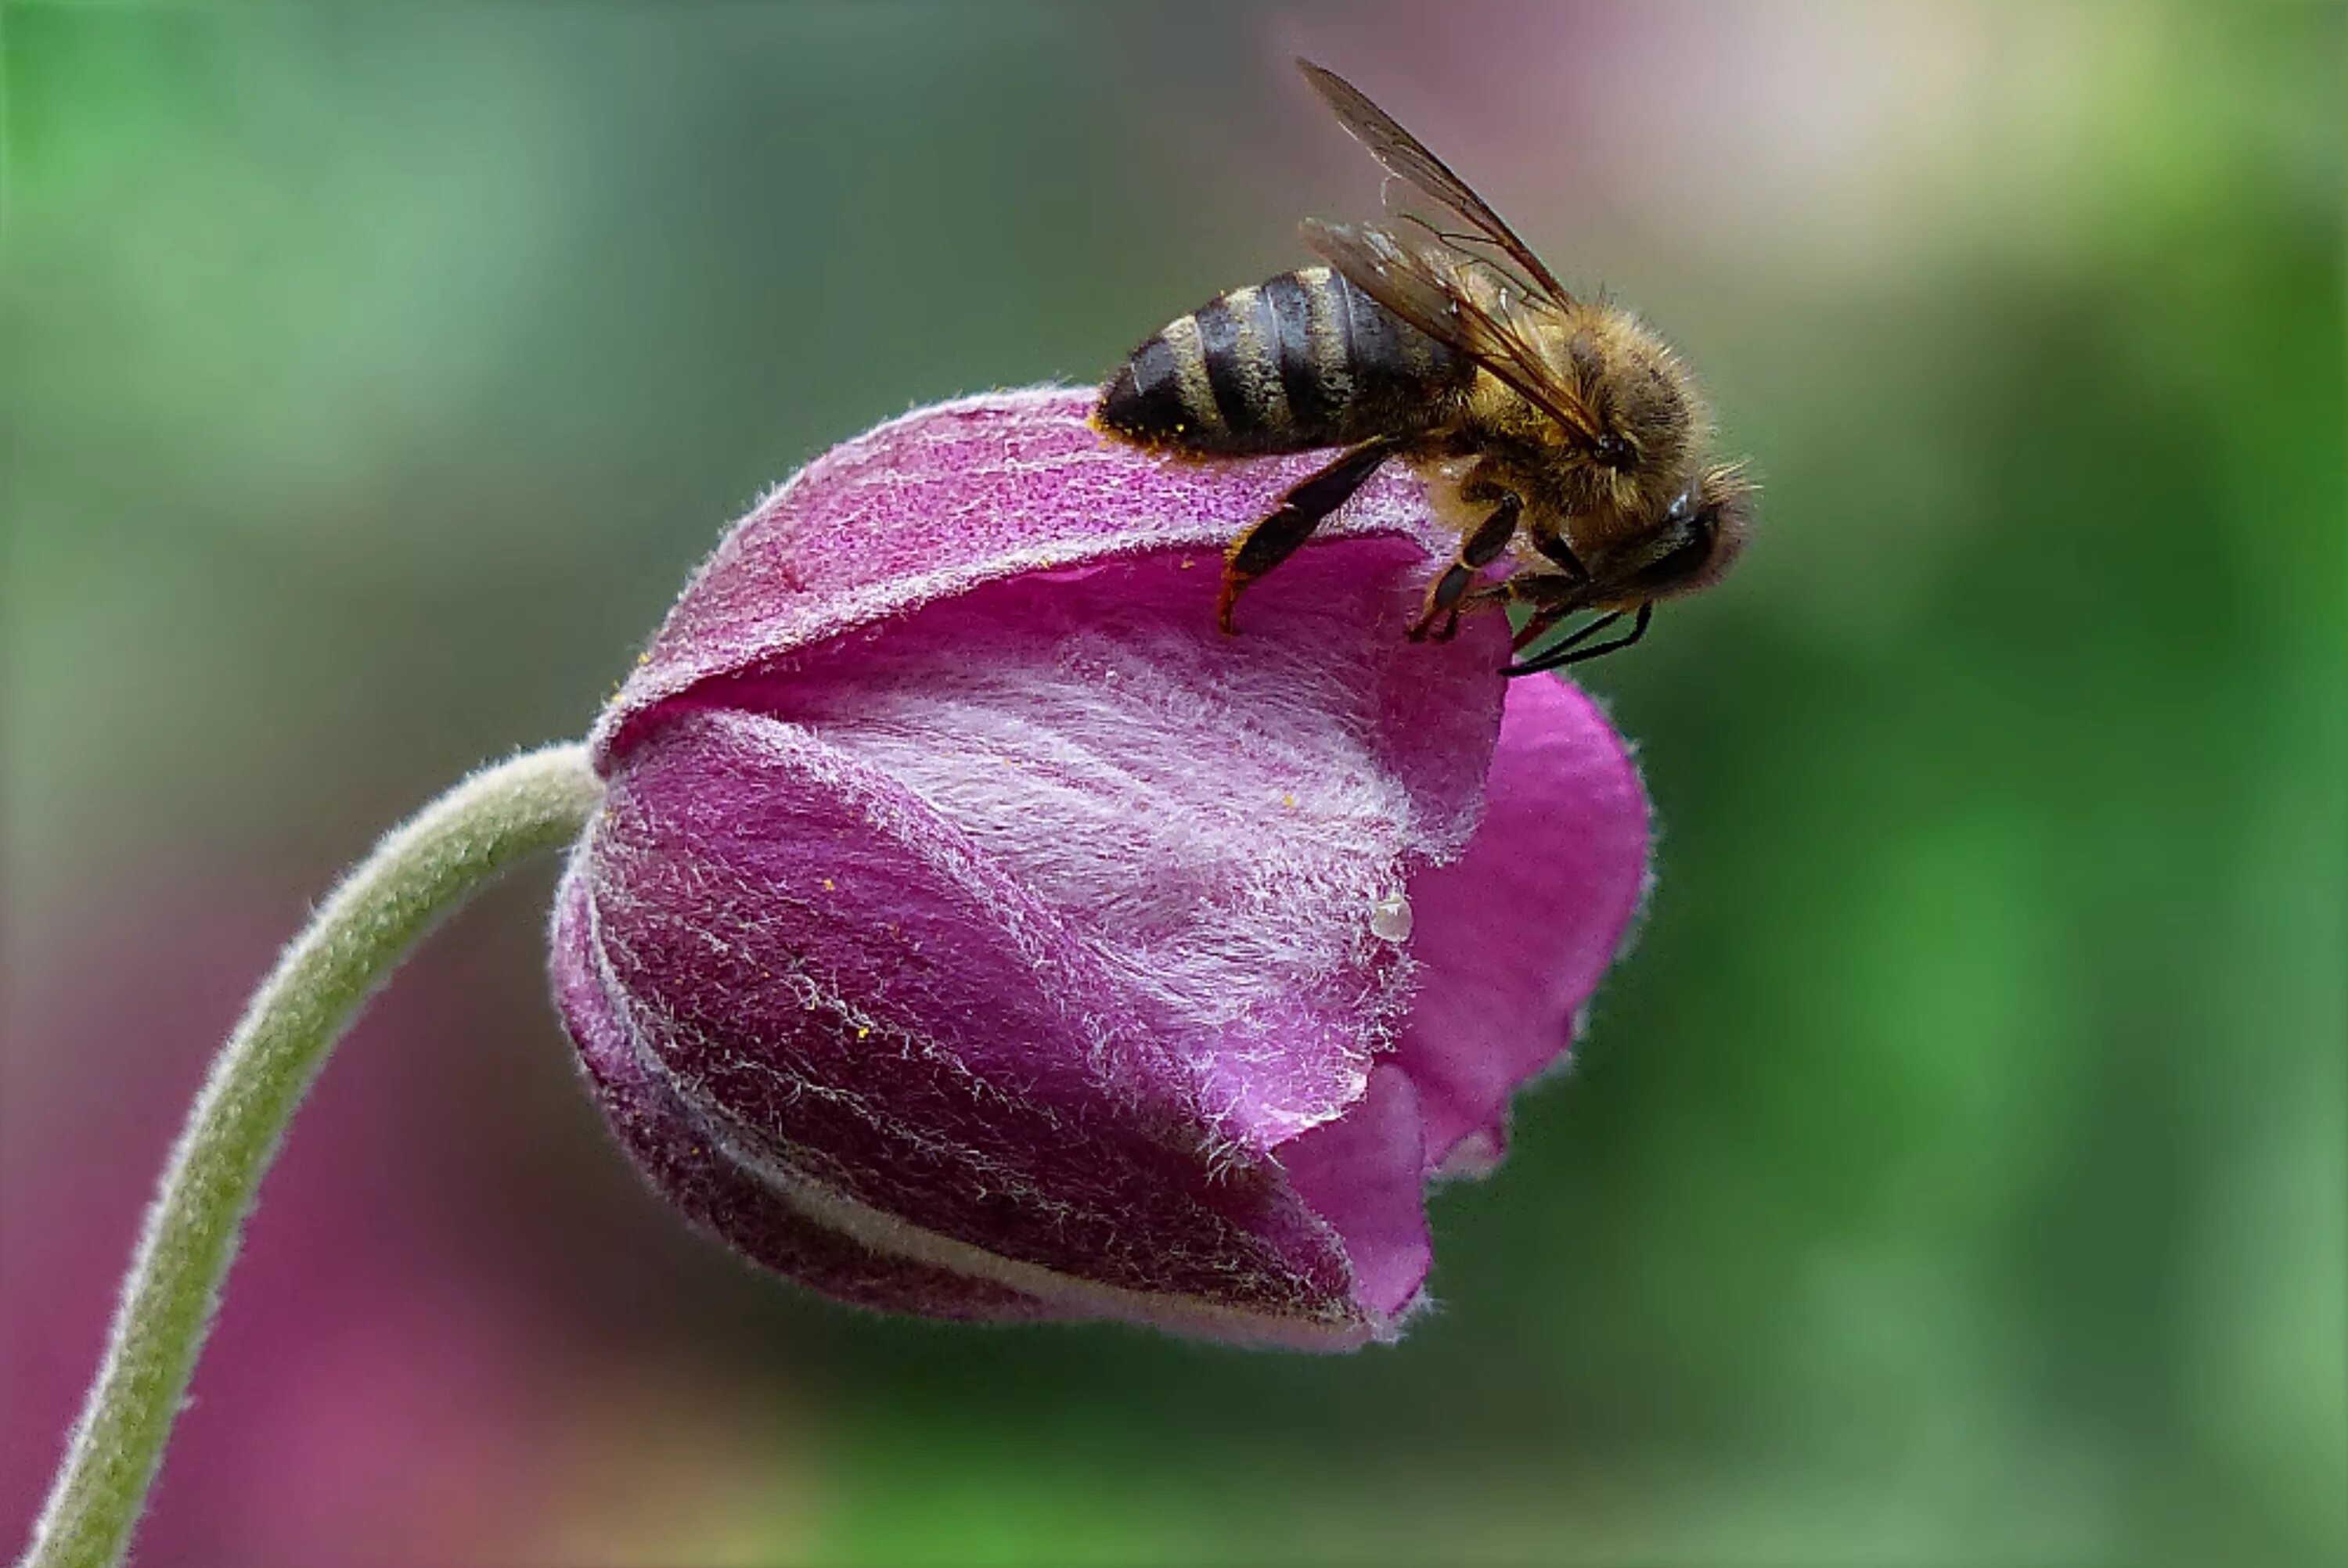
pixel 1955 1173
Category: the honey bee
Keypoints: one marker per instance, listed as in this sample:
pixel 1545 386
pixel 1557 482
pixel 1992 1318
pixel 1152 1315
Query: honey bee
pixel 1558 431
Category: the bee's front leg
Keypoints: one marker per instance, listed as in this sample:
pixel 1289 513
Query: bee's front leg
pixel 1477 551
pixel 1573 649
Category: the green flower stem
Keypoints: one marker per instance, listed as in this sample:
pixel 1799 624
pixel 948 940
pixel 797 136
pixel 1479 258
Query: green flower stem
pixel 421 871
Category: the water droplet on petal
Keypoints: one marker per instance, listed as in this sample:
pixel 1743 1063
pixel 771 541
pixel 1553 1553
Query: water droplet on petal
pixel 1390 918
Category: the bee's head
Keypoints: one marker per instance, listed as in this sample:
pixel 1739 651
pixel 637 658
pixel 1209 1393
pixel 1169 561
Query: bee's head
pixel 1703 530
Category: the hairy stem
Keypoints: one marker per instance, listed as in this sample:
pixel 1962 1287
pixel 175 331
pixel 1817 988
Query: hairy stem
pixel 421 871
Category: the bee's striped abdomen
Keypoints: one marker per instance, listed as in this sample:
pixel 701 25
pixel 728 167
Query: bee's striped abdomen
pixel 1301 361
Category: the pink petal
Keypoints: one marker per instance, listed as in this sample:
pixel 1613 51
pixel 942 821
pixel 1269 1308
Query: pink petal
pixel 1515 934
pixel 676 1152
pixel 1213 820
pixel 994 487
pixel 971 929
pixel 855 994
pixel 1362 1173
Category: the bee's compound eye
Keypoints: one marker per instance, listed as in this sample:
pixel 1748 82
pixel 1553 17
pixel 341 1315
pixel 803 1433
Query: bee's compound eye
pixel 1615 452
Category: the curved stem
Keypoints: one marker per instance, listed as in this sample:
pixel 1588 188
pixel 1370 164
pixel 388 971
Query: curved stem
pixel 421 871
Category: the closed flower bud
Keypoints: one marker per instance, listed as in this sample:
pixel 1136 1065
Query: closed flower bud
pixel 971 930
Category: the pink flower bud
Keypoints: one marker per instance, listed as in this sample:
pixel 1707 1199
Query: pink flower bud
pixel 971 931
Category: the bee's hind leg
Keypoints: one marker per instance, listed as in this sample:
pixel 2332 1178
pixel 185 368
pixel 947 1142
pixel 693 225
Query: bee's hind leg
pixel 1302 509
pixel 1477 551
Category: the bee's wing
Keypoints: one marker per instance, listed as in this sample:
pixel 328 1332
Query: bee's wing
pixel 1426 287
pixel 1405 156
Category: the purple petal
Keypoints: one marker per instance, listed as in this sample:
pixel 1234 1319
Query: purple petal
pixel 676 1152
pixel 991 487
pixel 871 1018
pixel 1362 1173
pixel 1515 934
pixel 1215 823
pixel 972 929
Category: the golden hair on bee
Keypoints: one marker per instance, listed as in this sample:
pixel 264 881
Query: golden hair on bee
pixel 1562 437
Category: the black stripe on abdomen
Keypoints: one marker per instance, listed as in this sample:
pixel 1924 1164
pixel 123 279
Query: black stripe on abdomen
pixel 1238 347
pixel 1220 354
pixel 1317 391
pixel 1375 346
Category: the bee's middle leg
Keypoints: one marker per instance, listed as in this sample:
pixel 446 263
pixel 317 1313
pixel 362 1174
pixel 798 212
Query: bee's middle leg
pixel 1477 551
pixel 1558 551
pixel 1302 509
